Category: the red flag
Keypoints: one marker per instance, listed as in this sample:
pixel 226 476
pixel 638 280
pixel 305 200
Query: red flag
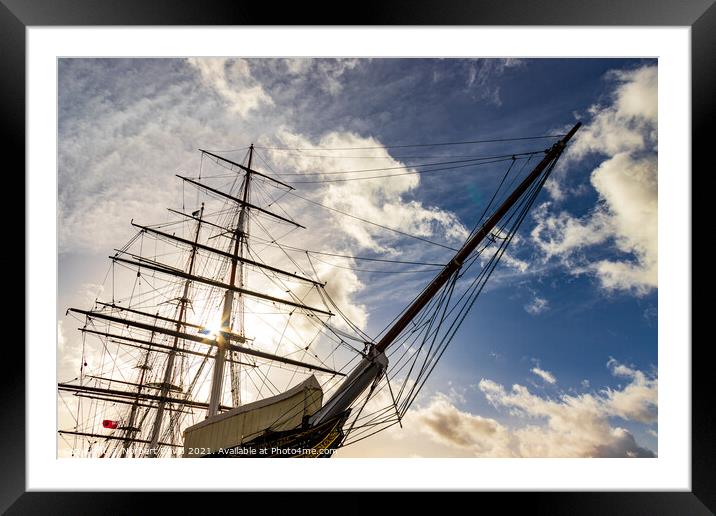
pixel 108 423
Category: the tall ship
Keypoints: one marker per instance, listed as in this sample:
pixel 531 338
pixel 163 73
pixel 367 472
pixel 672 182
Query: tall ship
pixel 215 339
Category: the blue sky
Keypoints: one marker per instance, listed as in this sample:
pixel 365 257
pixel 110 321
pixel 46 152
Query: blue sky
pixel 572 321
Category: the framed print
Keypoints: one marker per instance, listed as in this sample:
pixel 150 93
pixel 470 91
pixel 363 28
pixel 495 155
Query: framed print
pixel 428 246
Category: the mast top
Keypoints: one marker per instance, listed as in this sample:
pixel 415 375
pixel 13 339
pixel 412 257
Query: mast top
pixel 248 169
pixel 240 202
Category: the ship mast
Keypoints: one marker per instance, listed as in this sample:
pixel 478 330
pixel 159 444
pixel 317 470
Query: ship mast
pixel 129 431
pixel 169 370
pixel 242 236
pixel 236 263
pixel 174 336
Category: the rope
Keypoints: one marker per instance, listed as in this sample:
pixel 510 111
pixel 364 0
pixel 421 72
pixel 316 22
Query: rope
pixel 404 146
pixel 373 223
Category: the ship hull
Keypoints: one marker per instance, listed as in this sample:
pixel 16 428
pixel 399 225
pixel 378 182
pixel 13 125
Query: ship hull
pixel 316 442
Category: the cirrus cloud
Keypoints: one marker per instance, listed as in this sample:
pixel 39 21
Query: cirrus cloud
pixel 545 375
pixel 232 80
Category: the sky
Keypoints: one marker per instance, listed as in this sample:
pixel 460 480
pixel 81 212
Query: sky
pixel 559 355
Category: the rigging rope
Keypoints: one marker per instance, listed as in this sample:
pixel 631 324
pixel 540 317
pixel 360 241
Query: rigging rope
pixel 338 255
pixel 404 146
pixel 473 160
pixel 416 172
pixel 387 228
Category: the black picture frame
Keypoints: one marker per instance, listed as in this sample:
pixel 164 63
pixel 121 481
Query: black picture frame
pixel 17 15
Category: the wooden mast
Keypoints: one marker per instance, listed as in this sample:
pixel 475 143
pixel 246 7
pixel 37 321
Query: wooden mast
pixel 168 371
pixel 234 367
pixel 130 429
pixel 217 381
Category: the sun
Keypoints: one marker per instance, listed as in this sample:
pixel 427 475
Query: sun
pixel 213 327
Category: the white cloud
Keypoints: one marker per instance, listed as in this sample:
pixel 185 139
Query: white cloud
pixel 61 340
pixel 298 65
pixel 481 75
pixel 70 350
pixel 456 396
pixel 330 72
pixel 578 426
pixel 629 122
pixel 626 183
pixel 560 233
pixel 343 285
pixel 89 292
pixel 448 425
pixel 545 375
pixel 629 187
pixel 638 400
pixel 117 156
pixel 619 369
pixel 326 75
pixel 537 306
pixel 232 80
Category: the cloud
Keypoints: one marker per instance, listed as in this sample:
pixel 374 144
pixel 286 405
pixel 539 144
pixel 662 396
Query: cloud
pixel 619 369
pixel 90 292
pixel 330 72
pixel 638 400
pixel 298 65
pixel 446 424
pixel 118 156
pixel 232 80
pixel 537 306
pixel 578 426
pixel 628 123
pixel 625 215
pixel 304 73
pixel 71 352
pixel 629 187
pixel 343 285
pixel 545 375
pixel 61 340
pixel 481 76
pixel 127 127
pixel 508 258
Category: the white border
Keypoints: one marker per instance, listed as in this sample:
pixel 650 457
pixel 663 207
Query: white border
pixel 670 471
